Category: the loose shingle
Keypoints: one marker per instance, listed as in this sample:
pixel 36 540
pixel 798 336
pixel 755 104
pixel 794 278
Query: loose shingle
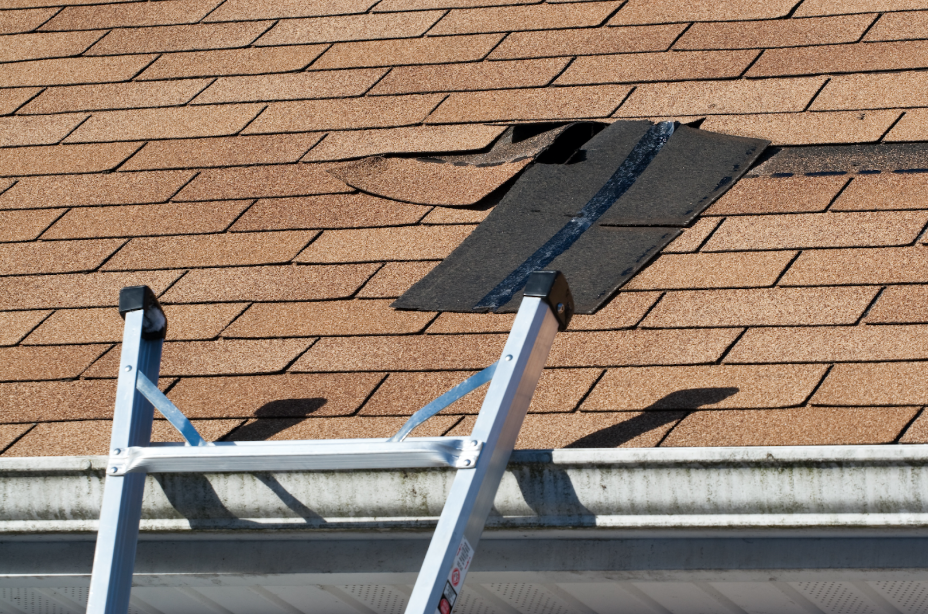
pixel 291 86
pixel 818 230
pixel 249 61
pixel 778 195
pixel 185 322
pixel 395 278
pixel 14 325
pixel 144 220
pixel 586 41
pixel 236 10
pixel 429 50
pixel 883 191
pixel 532 17
pixel 378 244
pixel 775 33
pixel 536 104
pixel 130 14
pixel 736 270
pixel 222 151
pixel 209 250
pixel 78 290
pixel 179 38
pixel 274 396
pixel 716 387
pixel 900 305
pixel 368 317
pixel 344 114
pixel 223 357
pixel 327 211
pixel 413 139
pixel 804 426
pixel 760 307
pixel 663 11
pixel 470 76
pixel 720 97
pixel 831 344
pixel 114 96
pixel 101 189
pixel 257 181
pixel 268 283
pixel 26 225
pixel 807 128
pixel 594 430
pixel 72 71
pixel 55 256
pixel 350 28
pixel 46 45
pixel 888 383
pixel 640 347
pixel 558 390
pixel 666 66
pixel 858 266
pixel 22 363
pixel 190 121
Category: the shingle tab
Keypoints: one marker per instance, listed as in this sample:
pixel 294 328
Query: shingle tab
pixel 807 128
pixel 720 97
pixel 14 325
pixel 336 428
pixel 905 25
pixel 12 99
pixel 130 14
pixel 884 191
pixel 258 181
pixel 900 305
pixel 837 7
pixel 776 33
pixel 136 125
pixel 291 86
pixel 47 45
pixel 84 190
pixel 378 244
pixel 546 103
pixel 236 10
pixel 145 220
pixel 858 266
pixel 26 225
pixel 831 344
pixel 55 256
pixel 818 230
pixel 209 250
pixel 912 127
pixel 350 28
pixel 586 41
pixel 873 91
pixel 395 278
pixel 179 38
pixel 760 307
pixel 715 387
pixel 470 76
pixel 249 61
pixel 22 363
pixel 641 347
pixel 222 151
pixel 666 66
pixel 402 353
pixel 76 400
pixel 328 211
pixel 663 11
pixel 72 71
pixel 532 17
pixel 413 139
pixel 366 317
pixel 429 50
pixel 78 290
pixel 344 114
pixel 735 270
pixel 827 59
pixel 778 195
pixel 24 20
pixel 114 96
pixel 268 283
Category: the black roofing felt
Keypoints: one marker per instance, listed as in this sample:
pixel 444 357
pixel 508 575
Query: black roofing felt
pixel 629 189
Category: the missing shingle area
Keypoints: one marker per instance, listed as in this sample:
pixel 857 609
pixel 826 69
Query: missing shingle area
pixel 688 172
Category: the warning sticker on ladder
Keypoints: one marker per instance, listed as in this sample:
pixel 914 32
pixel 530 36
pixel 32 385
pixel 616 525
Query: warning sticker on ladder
pixel 459 568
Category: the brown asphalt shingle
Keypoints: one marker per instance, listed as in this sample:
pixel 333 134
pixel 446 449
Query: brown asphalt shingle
pixel 14 325
pixel 56 256
pixel 248 61
pixel 663 11
pixel 640 67
pixel 586 41
pixel 344 114
pixel 194 121
pixel 291 86
pixel 27 224
pixel 327 211
pixel 776 33
pixel 429 50
pixel 109 96
pixel 257 181
pixel 51 160
pixel 73 71
pixel 350 28
pixel 131 14
pixel 222 151
pixel 96 189
pixel 23 363
pixel 77 290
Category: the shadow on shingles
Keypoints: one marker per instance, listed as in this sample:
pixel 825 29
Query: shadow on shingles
pixel 288 412
pixel 668 409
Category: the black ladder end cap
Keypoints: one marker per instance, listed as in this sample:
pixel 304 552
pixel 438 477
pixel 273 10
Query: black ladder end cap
pixel 552 287
pixel 134 298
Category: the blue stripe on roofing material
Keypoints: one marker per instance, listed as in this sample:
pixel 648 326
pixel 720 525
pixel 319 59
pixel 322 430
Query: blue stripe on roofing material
pixel 623 178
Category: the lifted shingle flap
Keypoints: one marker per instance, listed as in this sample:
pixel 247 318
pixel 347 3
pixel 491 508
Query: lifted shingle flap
pixel 586 217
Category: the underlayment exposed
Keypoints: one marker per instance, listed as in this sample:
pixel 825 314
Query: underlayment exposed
pixel 653 199
pixel 842 159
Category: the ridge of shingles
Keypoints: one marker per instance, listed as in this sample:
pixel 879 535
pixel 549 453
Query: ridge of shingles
pixel 184 144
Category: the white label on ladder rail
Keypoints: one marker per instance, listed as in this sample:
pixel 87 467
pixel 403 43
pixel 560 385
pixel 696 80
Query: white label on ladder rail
pixel 456 577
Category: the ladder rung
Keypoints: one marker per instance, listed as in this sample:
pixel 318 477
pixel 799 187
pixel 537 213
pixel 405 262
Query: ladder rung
pixel 321 455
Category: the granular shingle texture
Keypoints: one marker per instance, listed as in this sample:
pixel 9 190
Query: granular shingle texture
pixel 199 147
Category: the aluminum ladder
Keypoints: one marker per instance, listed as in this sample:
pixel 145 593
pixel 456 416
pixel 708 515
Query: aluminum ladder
pixel 480 459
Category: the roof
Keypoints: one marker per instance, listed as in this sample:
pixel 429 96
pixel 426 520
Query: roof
pixel 184 144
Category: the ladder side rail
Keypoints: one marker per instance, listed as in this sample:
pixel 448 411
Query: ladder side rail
pixel 497 428
pixel 121 508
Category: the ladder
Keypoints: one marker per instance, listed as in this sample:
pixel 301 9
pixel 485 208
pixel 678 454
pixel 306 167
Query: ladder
pixel 480 458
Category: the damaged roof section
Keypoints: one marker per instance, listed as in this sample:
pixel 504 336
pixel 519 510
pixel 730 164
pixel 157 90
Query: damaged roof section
pixel 599 215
